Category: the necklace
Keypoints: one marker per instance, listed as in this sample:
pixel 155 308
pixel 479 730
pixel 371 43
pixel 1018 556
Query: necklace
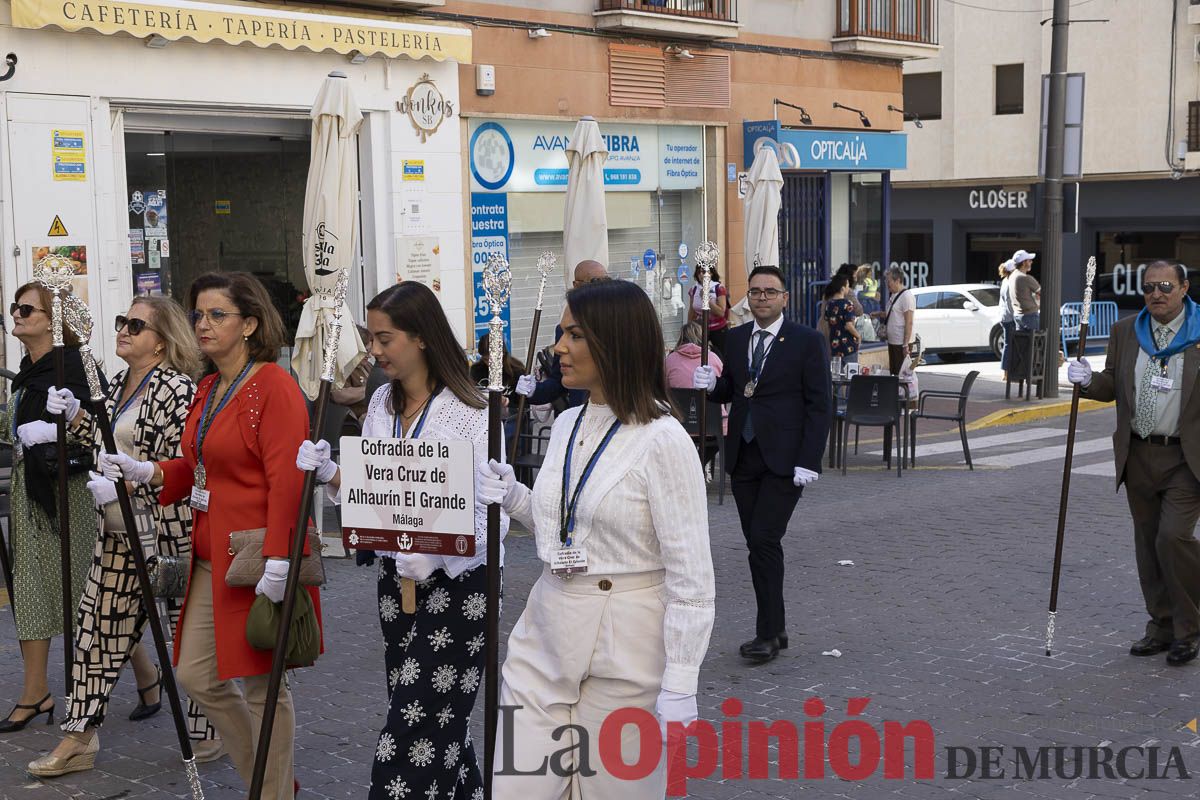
pixel 416 410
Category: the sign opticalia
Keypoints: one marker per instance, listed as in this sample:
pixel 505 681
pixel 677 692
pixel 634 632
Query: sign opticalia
pixel 531 156
pixel 408 495
pixel 855 151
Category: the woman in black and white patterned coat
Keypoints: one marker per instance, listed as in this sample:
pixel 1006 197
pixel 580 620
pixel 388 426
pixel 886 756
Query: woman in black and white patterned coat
pixel 434 656
pixel 148 403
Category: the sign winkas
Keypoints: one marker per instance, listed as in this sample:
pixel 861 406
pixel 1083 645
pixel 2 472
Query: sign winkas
pixel 425 106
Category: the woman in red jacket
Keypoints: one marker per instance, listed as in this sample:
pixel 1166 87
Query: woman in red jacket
pixel 239 470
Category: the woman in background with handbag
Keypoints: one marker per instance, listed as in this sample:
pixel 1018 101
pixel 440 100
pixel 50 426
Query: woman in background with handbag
pixel 148 404
pixel 431 608
pixel 29 427
pixel 238 468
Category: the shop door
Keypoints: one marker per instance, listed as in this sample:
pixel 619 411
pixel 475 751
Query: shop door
pixel 804 241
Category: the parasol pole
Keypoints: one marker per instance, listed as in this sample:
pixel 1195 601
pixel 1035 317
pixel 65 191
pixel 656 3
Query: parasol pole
pixel 497 282
pixel 79 318
pixel 333 337
pixel 1084 315
pixel 546 263
pixel 55 273
pixel 706 259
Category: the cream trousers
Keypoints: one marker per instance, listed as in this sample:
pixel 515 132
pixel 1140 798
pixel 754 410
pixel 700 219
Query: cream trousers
pixel 236 716
pixel 583 648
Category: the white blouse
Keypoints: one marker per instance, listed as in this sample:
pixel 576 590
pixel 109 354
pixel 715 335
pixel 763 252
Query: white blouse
pixel 644 508
pixel 449 419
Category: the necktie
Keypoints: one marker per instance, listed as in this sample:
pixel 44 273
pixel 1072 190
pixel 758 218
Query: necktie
pixel 756 360
pixel 1147 395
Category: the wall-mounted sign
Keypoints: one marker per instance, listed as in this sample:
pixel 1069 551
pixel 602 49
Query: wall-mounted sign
pixel 414 170
pixel 531 156
pixel 222 208
pixel 418 258
pixel 425 106
pixel 68 155
pixel 57 228
pixel 1006 199
pixel 851 151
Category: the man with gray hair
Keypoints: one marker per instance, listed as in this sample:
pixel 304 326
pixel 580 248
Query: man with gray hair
pixel 898 318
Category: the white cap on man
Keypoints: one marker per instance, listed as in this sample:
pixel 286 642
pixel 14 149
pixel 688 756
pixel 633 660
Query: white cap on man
pixel 1009 266
pixel 1021 256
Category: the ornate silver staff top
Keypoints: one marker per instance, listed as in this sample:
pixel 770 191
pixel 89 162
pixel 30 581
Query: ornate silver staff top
pixel 706 258
pixel 55 273
pixel 546 263
pixel 333 334
pixel 78 317
pixel 497 282
pixel 1089 277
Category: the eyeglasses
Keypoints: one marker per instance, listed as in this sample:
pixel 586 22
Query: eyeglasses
pixel 577 284
pixel 23 310
pixel 133 324
pixel 1149 288
pixel 216 317
pixel 769 294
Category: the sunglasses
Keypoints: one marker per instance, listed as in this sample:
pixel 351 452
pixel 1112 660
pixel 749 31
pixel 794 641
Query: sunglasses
pixel 1166 287
pixel 133 324
pixel 23 310
pixel 216 317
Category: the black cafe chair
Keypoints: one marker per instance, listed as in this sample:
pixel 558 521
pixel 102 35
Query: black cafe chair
pixel 959 416
pixel 688 403
pixel 874 402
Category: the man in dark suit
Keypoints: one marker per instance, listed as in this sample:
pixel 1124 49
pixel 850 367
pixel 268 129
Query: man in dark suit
pixel 1150 370
pixel 551 388
pixel 777 378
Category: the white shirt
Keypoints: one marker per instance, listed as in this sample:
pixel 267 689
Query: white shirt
pixel 895 318
pixel 1166 404
pixel 449 420
pixel 772 331
pixel 644 508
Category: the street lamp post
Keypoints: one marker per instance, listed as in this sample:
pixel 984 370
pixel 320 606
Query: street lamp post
pixel 1052 220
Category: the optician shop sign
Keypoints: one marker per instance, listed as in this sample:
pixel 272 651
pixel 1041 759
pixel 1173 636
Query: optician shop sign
pixel 531 156
pixel 808 148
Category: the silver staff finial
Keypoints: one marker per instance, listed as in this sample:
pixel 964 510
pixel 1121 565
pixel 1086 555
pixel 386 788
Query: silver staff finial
pixel 546 264
pixel 55 273
pixel 1089 277
pixel 706 258
pixel 497 282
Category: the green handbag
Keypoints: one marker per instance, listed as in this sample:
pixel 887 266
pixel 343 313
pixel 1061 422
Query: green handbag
pixel 304 639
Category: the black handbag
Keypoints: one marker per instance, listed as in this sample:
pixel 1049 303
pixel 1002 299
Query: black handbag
pixel 79 457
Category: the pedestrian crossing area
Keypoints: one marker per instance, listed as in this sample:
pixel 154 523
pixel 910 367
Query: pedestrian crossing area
pixel 1022 447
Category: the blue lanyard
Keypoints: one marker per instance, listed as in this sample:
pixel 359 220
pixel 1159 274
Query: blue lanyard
pixel 137 393
pixel 415 433
pixel 568 509
pixel 206 421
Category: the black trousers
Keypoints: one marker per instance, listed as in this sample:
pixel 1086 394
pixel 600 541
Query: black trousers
pixel 765 502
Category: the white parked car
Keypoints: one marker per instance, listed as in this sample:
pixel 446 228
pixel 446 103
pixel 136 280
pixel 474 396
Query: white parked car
pixel 959 318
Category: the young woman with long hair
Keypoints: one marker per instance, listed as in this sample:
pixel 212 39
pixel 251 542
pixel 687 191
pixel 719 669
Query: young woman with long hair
pixel 435 656
pixel 623 610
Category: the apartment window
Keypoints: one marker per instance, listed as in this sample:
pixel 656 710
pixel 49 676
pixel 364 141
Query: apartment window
pixel 1010 89
pixel 923 95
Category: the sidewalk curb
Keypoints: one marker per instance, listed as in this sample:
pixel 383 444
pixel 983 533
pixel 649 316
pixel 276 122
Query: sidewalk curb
pixel 1014 416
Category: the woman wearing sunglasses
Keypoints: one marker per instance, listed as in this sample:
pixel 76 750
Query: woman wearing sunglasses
pixel 148 403
pixel 238 471
pixel 434 655
pixel 30 428
pixel 623 610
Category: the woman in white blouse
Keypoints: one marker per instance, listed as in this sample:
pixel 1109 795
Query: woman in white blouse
pixel 435 654
pixel 620 503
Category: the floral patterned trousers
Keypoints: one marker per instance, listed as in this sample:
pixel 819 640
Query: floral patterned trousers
pixel 435 661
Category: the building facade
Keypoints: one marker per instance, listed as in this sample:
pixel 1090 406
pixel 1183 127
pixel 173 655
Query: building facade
pixel 971 193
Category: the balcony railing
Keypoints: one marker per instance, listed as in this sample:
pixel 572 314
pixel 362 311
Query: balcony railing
pixel 720 10
pixel 898 20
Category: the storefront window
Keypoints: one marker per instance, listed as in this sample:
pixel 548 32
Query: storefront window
pixel 1122 258
pixel 202 202
pixel 987 251
pixel 913 253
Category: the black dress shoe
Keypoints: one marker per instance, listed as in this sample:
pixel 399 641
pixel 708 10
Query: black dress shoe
pixel 1148 646
pixel 760 651
pixel 1182 652
pixel 782 640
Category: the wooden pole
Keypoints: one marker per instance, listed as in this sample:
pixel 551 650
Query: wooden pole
pixel 546 264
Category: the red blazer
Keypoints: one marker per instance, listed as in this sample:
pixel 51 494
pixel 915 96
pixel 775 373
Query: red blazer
pixel 250 462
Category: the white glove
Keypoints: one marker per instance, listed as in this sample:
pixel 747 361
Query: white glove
pixel 1079 372
pixel 493 482
pixel 116 467
pixel 704 378
pixel 62 401
pixel 315 457
pixel 674 707
pixel 274 579
pixel 103 490
pixel 526 384
pixel 803 477
pixel 37 432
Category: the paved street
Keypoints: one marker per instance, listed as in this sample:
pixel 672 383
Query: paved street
pixel 940 618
